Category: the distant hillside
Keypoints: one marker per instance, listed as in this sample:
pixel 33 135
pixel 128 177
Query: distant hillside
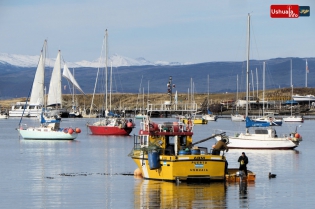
pixel 16 81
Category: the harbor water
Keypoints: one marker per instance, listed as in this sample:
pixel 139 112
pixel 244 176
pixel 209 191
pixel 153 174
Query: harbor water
pixel 96 172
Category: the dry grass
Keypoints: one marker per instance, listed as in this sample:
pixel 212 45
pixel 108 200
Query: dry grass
pixel 131 101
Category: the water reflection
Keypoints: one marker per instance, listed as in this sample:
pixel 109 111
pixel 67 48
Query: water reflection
pixel 151 194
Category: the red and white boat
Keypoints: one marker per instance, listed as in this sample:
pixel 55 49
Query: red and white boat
pixel 112 126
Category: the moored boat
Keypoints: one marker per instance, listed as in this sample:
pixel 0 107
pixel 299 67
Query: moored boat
pixel 237 117
pixel 48 130
pixel 293 118
pixel 210 116
pixel 269 118
pixel 112 126
pixel 165 151
pixel 234 175
pixel 264 137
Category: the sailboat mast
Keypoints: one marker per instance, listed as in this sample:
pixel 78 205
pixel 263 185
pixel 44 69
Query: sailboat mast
pixel 110 85
pixel 73 90
pixel 291 85
pixel 247 64
pixel 257 82
pixel 208 90
pixel 306 71
pixel 236 90
pixel 264 67
pixel 106 54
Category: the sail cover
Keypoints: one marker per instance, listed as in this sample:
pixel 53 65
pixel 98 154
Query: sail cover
pixel 67 74
pixel 250 123
pixel 54 94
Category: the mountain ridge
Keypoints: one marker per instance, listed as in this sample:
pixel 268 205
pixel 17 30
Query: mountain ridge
pixel 116 61
pixel 16 81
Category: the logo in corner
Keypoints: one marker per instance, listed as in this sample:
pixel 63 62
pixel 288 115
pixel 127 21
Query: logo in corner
pixel 284 11
pixel 289 11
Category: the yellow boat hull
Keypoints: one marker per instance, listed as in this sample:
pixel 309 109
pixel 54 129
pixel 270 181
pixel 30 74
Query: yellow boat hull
pixel 183 167
pixel 196 121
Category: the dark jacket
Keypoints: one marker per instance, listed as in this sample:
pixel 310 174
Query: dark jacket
pixel 243 161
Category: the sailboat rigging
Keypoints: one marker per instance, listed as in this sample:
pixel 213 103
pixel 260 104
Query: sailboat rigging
pixel 262 138
pixel 112 124
pixel 292 118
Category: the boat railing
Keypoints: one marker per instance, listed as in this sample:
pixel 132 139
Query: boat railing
pixel 164 127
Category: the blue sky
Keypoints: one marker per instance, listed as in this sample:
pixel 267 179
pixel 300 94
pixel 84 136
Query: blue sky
pixel 177 30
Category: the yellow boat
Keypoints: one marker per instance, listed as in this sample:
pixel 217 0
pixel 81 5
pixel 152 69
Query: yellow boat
pixel 165 151
pixel 195 121
pixel 234 176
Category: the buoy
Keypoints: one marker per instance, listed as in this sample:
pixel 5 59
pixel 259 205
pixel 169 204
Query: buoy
pixel 297 135
pixel 65 130
pixel 137 173
pixel 129 124
pixel 77 130
pixel 70 131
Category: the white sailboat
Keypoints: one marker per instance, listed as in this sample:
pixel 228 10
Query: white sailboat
pixel 292 118
pixel 34 107
pixel 49 129
pixel 237 117
pixel 209 116
pixel 262 138
pixel 267 117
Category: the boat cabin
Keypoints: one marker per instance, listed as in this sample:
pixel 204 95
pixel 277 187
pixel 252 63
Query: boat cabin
pixel 269 132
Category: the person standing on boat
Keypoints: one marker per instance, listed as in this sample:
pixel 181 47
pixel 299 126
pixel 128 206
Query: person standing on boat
pixel 243 160
pixel 220 145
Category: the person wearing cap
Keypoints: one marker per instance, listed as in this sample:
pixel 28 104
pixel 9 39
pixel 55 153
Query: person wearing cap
pixel 243 160
pixel 220 145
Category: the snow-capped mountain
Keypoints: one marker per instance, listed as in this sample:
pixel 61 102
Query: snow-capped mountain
pixel 114 60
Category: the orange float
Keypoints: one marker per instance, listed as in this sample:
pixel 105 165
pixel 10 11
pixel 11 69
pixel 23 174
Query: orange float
pixel 70 131
pixel 77 130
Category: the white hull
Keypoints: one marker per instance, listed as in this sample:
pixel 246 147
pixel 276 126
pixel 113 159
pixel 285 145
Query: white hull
pixel 140 116
pixel 260 141
pixel 238 117
pixel 307 98
pixel 272 122
pixel 30 110
pixel 293 119
pixel 210 117
pixel 4 116
pixel 242 103
pixel 41 133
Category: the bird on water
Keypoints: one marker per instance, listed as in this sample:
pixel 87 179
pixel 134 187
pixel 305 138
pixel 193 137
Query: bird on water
pixel 272 175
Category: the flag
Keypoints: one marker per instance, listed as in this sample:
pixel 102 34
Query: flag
pixel 307 67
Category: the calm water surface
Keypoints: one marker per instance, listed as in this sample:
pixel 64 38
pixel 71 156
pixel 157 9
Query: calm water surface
pixel 88 173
